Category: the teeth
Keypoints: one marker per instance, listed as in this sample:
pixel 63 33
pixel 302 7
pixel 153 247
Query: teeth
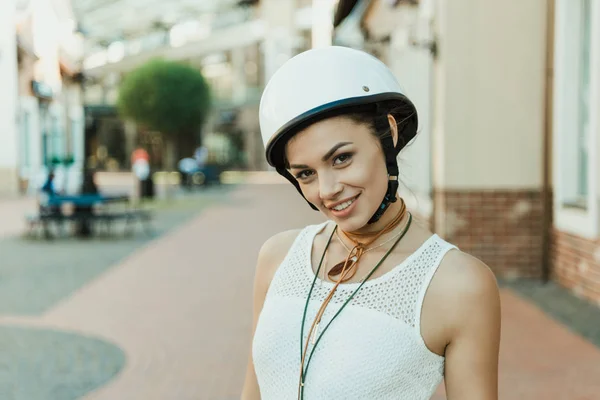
pixel 343 206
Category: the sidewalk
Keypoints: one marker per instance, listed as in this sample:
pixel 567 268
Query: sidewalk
pixel 12 214
pixel 13 210
pixel 180 310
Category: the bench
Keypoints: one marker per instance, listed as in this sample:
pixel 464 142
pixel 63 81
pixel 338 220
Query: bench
pixel 129 217
pixel 107 219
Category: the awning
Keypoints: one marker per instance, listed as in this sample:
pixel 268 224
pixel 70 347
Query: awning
pixel 107 21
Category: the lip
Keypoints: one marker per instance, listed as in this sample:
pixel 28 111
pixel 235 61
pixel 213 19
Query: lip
pixel 330 206
pixel 345 212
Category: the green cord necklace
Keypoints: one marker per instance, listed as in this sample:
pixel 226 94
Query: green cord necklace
pixel 304 371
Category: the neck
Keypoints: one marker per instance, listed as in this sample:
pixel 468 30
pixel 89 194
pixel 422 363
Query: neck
pixel 363 242
pixel 394 218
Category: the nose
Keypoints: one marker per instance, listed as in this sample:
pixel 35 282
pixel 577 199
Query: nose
pixel 329 187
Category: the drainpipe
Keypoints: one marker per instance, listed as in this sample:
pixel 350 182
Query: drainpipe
pixel 547 145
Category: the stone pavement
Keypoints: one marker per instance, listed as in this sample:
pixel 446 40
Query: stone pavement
pixel 39 361
pixel 180 310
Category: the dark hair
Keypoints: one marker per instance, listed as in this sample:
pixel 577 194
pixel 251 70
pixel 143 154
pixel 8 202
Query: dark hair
pixel 375 117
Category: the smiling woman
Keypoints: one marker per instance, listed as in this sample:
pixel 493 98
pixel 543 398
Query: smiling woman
pixel 367 305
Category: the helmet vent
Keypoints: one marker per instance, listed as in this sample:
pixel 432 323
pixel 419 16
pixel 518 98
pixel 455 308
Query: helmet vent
pixel 366 88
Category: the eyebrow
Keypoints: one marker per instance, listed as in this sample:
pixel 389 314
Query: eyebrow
pixel 327 155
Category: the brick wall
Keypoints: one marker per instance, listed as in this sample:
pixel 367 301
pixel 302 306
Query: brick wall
pixel 576 264
pixel 503 228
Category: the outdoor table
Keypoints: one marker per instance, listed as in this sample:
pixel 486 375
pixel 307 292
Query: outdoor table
pixel 83 200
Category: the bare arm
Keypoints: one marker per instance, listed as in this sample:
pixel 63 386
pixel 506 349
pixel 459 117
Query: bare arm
pixel 471 371
pixel 270 256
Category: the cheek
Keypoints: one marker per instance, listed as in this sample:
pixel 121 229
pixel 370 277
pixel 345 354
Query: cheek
pixel 358 177
pixel 311 193
pixel 373 176
pixel 368 173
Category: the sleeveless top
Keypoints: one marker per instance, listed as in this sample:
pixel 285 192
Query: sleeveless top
pixel 373 350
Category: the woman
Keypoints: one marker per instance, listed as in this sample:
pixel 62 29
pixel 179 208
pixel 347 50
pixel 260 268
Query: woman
pixel 368 305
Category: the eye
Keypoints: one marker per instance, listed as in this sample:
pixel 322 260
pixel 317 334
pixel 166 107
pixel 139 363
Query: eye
pixel 342 158
pixel 304 174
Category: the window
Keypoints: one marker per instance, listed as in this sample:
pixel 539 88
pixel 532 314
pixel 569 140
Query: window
pixel 576 157
pixel 576 142
pixel 583 126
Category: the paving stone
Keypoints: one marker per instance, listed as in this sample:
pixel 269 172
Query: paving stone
pixel 180 310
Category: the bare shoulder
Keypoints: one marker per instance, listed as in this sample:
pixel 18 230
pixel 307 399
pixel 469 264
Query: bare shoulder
pixel 277 246
pixel 467 275
pixel 272 253
pixel 471 318
pixel 466 287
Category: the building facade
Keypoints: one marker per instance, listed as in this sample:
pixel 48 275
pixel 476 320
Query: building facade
pixel 489 132
pixel 508 94
pixel 505 163
pixel 575 235
pixel 41 112
pixel 50 106
pixel 8 99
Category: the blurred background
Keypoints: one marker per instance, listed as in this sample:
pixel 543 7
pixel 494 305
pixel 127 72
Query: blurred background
pixel 134 193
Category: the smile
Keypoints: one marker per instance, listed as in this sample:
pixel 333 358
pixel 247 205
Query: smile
pixel 345 204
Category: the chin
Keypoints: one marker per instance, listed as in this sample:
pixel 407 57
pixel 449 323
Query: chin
pixel 351 224
pixel 355 221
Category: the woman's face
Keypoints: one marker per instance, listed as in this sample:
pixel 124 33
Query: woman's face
pixel 340 167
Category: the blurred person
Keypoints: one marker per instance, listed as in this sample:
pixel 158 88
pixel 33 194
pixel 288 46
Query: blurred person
pixel 367 305
pixel 187 166
pixel 48 187
pixel 88 187
pixel 48 191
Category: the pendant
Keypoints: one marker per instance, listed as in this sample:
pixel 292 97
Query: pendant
pixel 337 269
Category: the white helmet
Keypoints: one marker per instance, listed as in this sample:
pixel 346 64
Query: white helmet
pixel 323 82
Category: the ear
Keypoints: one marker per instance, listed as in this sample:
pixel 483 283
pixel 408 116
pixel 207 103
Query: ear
pixel 393 128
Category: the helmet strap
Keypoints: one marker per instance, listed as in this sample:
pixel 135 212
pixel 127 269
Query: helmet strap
pixel 391 163
pixel 389 198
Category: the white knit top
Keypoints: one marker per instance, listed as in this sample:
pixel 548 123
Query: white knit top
pixel 373 350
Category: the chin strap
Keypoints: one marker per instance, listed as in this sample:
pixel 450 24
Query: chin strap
pixel 390 197
pixel 391 163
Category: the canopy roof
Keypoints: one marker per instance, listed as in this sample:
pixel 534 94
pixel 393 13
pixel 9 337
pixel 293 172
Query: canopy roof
pixel 105 21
